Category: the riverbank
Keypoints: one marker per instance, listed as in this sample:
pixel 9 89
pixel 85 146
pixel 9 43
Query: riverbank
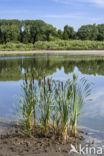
pixel 14 142
pixel 62 52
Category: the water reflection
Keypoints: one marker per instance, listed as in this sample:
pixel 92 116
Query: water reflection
pixel 59 68
pixel 11 69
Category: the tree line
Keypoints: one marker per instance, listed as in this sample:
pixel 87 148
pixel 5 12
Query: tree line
pixel 31 31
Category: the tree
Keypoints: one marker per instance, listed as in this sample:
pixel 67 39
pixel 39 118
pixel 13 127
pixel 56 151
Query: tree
pixel 9 30
pixel 26 31
pixel 100 36
pixel 88 32
pixel 31 31
pixel 69 33
pixel 60 34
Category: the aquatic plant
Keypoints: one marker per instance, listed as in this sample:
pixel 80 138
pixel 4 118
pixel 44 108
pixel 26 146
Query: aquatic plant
pixel 44 95
pixel 58 104
pixel 27 103
pixel 79 96
pixel 63 102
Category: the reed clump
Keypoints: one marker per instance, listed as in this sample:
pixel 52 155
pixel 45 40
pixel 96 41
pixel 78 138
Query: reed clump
pixel 53 105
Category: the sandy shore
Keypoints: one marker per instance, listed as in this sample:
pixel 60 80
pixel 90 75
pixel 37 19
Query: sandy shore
pixel 77 52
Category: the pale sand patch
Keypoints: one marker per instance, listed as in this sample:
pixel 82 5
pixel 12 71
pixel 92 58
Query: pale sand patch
pixel 72 52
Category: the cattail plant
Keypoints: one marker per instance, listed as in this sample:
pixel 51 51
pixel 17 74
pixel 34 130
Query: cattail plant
pixel 27 103
pixel 34 92
pixel 44 94
pixel 79 96
pixel 63 105
pixel 55 117
pixel 59 104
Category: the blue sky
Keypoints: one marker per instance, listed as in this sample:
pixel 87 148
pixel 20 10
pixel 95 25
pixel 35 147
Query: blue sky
pixel 56 12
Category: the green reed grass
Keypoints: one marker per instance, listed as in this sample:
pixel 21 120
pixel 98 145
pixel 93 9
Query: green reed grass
pixel 59 104
pixel 79 96
pixel 27 103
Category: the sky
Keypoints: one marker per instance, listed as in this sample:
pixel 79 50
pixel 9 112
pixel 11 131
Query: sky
pixel 56 12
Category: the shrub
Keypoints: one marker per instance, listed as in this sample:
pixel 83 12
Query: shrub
pixel 54 44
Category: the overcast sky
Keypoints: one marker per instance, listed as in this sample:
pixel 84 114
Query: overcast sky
pixel 56 12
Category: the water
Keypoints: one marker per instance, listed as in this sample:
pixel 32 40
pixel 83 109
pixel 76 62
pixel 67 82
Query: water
pixel 59 68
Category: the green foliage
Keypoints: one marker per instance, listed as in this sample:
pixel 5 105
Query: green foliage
pixel 26 31
pixel 88 32
pixel 53 38
pixel 68 33
pixel 100 36
pixel 79 96
pixel 60 34
pixel 54 44
pixel 31 31
pixel 45 100
pixel 27 104
pixel 65 36
pixel 62 97
pixel 69 45
pixel 10 46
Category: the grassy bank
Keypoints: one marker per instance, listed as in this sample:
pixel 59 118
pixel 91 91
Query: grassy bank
pixel 53 45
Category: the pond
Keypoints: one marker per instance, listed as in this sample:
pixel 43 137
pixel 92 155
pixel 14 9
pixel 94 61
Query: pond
pixel 58 67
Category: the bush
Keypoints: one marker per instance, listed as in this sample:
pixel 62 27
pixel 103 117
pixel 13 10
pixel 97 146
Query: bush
pixel 69 45
pixel 53 45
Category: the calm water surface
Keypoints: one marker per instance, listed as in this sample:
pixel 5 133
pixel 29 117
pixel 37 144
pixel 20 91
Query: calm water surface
pixel 59 68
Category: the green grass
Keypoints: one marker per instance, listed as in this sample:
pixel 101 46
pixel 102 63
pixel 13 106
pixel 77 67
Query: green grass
pixel 53 45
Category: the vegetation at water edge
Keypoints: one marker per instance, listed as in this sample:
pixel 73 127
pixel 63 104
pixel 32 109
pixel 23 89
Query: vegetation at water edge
pixel 38 35
pixel 49 104
pixel 54 45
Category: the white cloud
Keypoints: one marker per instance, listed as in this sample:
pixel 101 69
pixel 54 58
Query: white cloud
pixel 97 19
pixel 62 16
pixel 98 2
pixel 12 11
pixel 77 16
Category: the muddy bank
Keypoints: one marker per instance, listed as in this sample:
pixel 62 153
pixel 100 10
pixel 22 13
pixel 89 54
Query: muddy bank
pixel 14 142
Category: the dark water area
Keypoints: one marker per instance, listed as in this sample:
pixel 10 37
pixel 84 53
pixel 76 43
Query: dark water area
pixel 60 67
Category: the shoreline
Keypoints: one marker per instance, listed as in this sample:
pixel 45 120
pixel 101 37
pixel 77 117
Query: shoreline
pixel 14 142
pixel 63 52
pixel 9 126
